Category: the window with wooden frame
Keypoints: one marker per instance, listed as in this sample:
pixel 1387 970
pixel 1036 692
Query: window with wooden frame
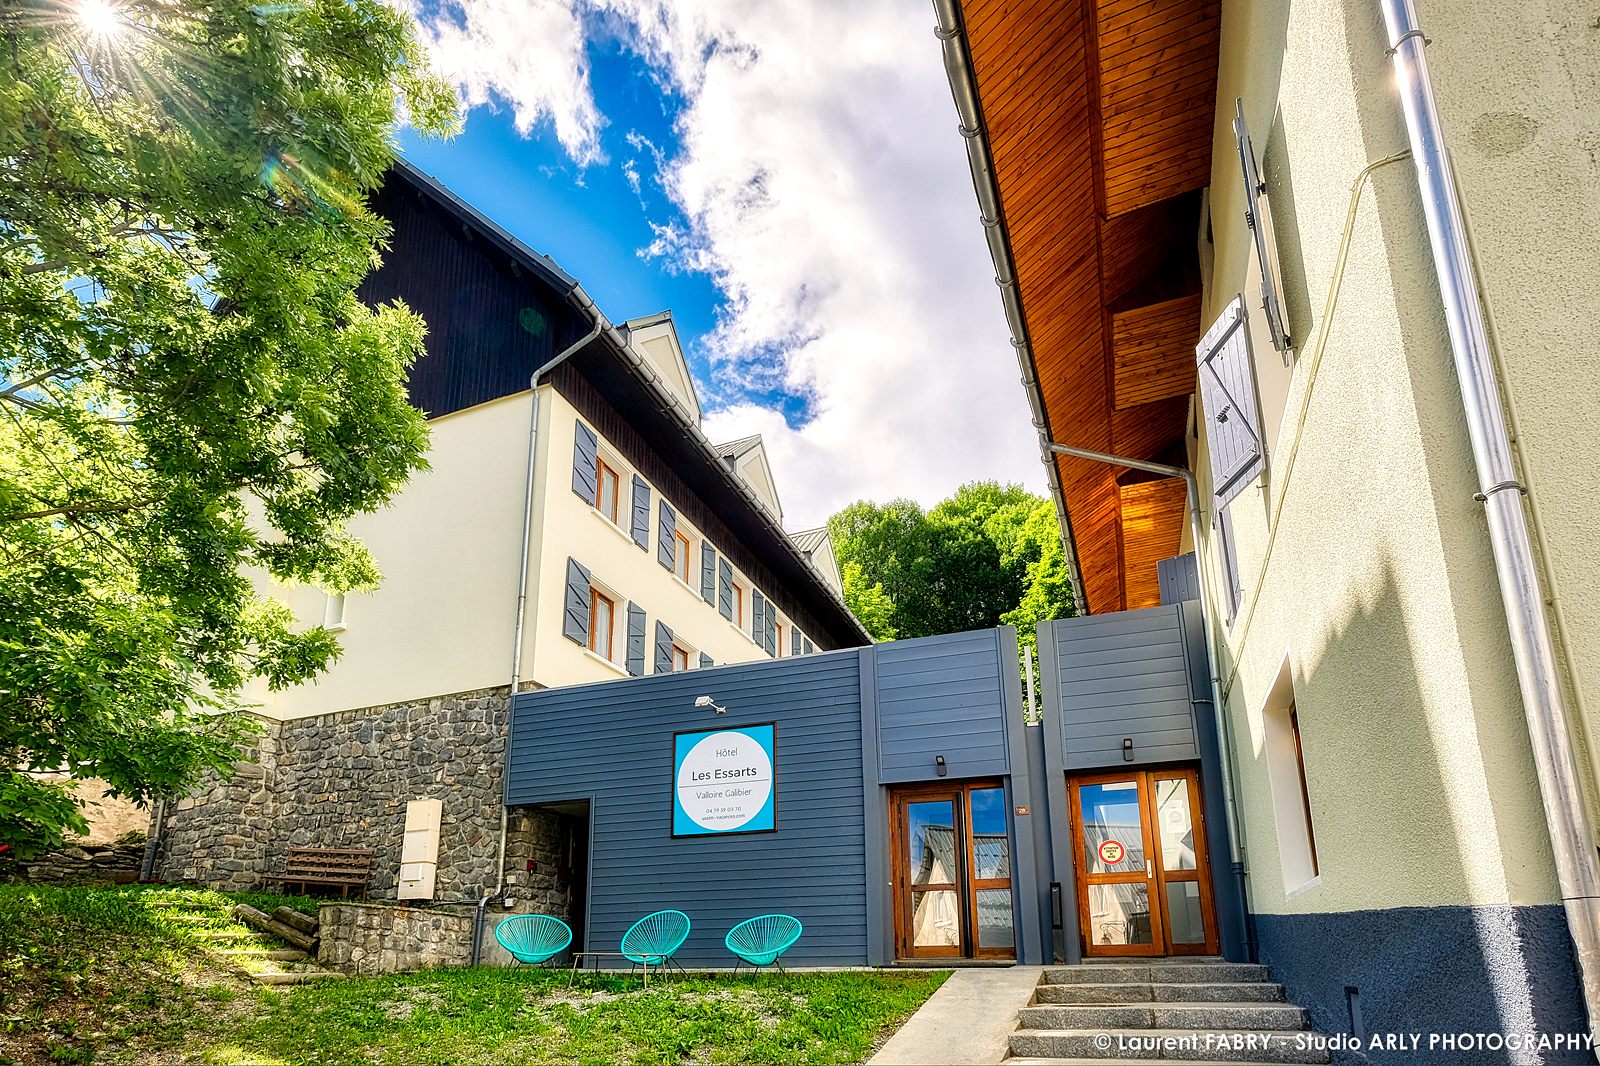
pixel 602 622
pixel 738 606
pixel 680 658
pixel 1305 792
pixel 777 649
pixel 680 557
pixel 607 491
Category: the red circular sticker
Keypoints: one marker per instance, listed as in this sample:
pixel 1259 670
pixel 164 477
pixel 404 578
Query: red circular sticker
pixel 1111 852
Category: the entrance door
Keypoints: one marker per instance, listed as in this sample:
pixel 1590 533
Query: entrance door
pixel 1144 886
pixel 952 872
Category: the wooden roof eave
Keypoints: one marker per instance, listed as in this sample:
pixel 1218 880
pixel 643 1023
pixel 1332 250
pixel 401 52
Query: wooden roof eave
pixel 963 87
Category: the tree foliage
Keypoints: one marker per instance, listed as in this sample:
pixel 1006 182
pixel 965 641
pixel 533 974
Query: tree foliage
pixel 188 385
pixel 989 555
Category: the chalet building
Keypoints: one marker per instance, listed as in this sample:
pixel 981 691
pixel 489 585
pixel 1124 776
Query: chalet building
pixel 1221 233
pixel 577 531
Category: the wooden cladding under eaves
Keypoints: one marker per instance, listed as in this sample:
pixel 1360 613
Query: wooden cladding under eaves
pixel 1098 116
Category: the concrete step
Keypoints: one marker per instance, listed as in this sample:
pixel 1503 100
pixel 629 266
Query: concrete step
pixel 1154 973
pixel 1198 1016
pixel 1241 992
pixel 1144 1045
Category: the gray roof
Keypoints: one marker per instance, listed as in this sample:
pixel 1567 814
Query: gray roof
pixel 809 540
pixel 738 449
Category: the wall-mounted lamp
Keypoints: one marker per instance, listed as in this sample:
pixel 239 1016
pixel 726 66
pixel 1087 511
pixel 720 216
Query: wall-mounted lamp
pixel 938 761
pixel 707 701
pixel 1127 749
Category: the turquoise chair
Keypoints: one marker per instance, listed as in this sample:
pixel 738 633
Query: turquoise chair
pixel 655 938
pixel 761 940
pixel 533 938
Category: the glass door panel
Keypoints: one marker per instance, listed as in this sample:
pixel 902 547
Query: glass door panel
pixel 1181 863
pixel 932 876
pixel 1116 894
pixel 991 871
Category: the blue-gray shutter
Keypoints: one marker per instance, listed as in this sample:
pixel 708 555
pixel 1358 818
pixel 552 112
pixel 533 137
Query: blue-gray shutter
pixel 1228 392
pixel 758 618
pixel 725 589
pixel 794 641
pixel 706 661
pixel 771 636
pixel 1259 219
pixel 663 649
pixel 641 512
pixel 808 647
pixel 708 573
pixel 635 639
pixel 667 544
pixel 575 623
pixel 586 463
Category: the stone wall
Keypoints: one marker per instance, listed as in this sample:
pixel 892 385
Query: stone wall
pixel 371 938
pixel 342 780
pixel 80 864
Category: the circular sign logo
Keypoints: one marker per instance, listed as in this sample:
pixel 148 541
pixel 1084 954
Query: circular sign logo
pixel 724 781
pixel 1111 852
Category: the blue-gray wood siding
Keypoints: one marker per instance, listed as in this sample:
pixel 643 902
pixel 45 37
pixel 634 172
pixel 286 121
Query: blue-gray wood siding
pixel 1178 579
pixel 1122 676
pixel 942 696
pixel 612 744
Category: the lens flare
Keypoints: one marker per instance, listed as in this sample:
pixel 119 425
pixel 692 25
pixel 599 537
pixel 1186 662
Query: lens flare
pixel 100 19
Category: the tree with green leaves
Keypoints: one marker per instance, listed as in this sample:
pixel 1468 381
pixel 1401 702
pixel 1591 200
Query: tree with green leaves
pixel 989 555
pixel 189 390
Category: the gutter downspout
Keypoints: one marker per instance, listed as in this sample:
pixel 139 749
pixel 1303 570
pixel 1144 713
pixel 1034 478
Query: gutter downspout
pixel 522 601
pixel 962 87
pixel 152 847
pixel 1224 731
pixel 1501 494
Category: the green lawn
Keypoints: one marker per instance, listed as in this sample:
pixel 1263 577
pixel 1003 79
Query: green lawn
pixel 114 976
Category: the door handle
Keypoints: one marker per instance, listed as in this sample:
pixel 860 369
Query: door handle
pixel 1149 868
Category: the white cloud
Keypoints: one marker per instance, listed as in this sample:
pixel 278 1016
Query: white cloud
pixel 824 187
pixel 524 54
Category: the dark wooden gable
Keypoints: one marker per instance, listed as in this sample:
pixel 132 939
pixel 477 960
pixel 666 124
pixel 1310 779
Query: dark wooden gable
pixel 491 322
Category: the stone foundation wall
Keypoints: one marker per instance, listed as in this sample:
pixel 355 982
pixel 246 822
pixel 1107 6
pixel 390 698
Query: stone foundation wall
pixel 342 780
pixel 368 938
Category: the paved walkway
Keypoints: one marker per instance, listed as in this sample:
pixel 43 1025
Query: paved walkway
pixel 968 1022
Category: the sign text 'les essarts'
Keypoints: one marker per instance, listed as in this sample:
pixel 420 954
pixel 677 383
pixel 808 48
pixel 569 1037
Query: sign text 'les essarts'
pixel 725 781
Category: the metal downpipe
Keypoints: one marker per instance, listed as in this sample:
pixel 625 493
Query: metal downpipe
pixel 1236 847
pixel 522 616
pixel 1566 815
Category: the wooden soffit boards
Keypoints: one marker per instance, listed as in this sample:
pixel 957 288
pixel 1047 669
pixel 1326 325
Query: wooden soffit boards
pixel 1152 349
pixel 1152 530
pixel 1157 71
pixel 1094 155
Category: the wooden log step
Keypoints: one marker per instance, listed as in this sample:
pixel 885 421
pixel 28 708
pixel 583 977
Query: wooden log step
pixel 266 923
pixel 300 920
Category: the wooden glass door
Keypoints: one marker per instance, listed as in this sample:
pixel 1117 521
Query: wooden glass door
pixel 952 872
pixel 1144 886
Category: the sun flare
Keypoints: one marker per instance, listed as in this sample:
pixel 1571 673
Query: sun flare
pixel 100 19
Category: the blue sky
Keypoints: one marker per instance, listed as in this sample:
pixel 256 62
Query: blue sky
pixel 795 174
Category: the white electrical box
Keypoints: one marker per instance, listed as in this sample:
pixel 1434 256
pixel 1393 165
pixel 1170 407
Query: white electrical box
pixel 419 854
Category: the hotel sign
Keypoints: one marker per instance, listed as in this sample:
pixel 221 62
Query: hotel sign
pixel 725 781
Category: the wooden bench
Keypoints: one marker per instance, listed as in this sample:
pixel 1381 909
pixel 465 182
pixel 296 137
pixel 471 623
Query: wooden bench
pixel 327 868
